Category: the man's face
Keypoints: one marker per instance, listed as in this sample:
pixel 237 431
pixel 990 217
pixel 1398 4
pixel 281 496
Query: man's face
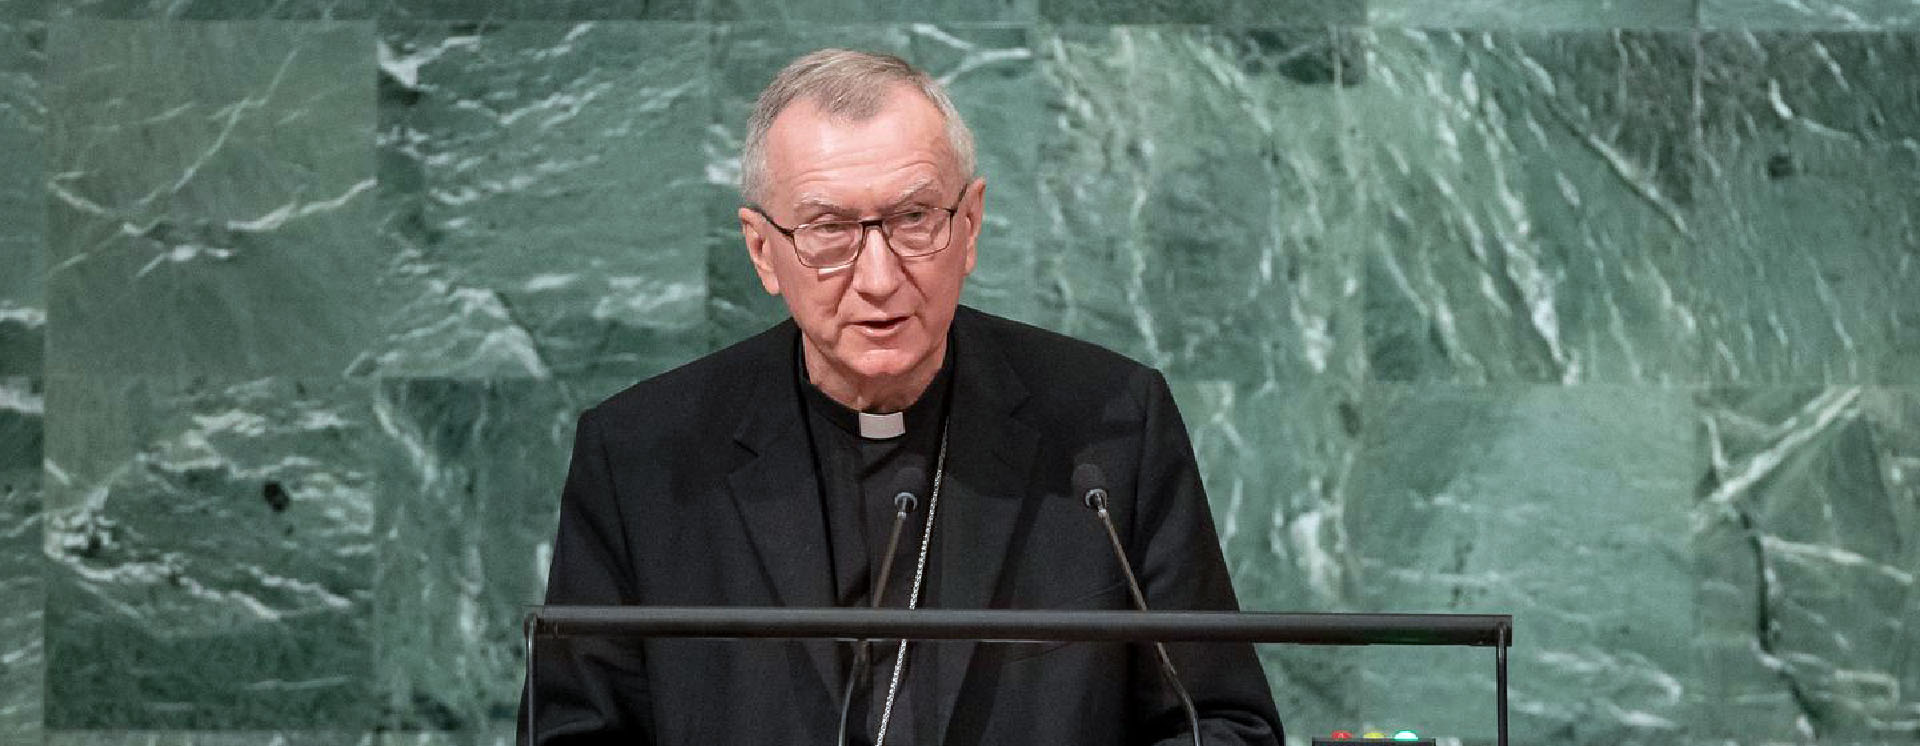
pixel 882 320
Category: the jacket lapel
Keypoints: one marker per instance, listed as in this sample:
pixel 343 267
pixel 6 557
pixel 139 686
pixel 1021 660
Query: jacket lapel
pixel 778 497
pixel 990 460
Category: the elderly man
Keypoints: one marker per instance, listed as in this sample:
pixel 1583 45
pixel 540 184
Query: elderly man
pixel 765 474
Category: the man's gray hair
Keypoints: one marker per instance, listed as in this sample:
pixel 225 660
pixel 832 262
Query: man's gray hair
pixel 847 84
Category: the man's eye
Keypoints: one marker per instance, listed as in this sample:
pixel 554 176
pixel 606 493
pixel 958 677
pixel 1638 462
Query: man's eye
pixel 833 230
pixel 912 218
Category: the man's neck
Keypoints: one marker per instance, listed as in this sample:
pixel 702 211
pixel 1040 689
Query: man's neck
pixel 892 394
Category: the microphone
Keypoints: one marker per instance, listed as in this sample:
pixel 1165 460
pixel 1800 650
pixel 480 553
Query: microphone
pixel 904 502
pixel 1089 483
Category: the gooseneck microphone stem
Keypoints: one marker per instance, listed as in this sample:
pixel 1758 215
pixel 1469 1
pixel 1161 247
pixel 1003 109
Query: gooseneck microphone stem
pixel 1133 583
pixel 905 502
pixel 1096 498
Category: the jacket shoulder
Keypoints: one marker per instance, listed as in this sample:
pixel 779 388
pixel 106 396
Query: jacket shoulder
pixel 1052 360
pixel 699 387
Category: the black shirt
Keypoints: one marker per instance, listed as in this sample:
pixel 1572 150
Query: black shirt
pixel 859 478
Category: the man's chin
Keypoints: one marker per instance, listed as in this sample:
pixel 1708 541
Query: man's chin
pixel 885 363
pixel 884 369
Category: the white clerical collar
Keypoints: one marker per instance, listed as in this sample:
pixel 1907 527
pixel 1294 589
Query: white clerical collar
pixel 883 426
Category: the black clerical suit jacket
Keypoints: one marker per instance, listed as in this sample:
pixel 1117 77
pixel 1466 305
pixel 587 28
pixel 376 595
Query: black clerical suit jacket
pixel 697 488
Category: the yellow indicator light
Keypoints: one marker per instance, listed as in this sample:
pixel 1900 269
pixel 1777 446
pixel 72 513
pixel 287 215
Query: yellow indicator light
pixel 1373 734
pixel 1406 735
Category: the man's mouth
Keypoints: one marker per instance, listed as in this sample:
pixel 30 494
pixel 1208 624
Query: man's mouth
pixel 881 325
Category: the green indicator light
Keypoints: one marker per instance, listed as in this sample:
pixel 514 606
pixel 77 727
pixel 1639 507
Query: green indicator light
pixel 1406 735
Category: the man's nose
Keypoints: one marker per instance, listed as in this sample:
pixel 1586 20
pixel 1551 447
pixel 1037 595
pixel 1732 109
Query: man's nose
pixel 877 271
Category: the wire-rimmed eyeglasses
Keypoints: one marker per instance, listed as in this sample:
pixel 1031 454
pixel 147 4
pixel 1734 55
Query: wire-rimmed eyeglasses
pixel 832 244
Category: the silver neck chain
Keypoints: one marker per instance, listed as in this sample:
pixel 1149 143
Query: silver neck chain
pixel 913 597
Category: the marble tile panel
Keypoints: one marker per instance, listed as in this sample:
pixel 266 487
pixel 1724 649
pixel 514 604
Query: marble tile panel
pixel 211 189
pixel 544 190
pixel 1225 257
pixel 991 75
pixel 1525 213
pixel 217 10
pixel 1805 533
pixel 1808 209
pixel 857 12
pixel 23 664
pixel 1808 15
pixel 1586 15
pixel 23 224
pixel 211 553
pixel 463 546
pixel 746 57
pixel 18 11
pixel 1233 13
pixel 542 10
pixel 209 738
pixel 1278 463
pixel 579 393
pixel 1567 507
pixel 503 735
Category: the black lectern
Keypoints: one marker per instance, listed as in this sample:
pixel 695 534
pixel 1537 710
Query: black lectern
pixel 1010 625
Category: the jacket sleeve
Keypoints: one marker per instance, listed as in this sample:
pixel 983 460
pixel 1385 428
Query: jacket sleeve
pixel 1181 568
pixel 588 690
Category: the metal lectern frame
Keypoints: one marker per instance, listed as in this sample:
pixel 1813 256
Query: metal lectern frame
pixel 1019 625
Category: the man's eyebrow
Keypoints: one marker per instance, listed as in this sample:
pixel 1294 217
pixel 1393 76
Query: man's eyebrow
pixel 912 190
pixel 821 205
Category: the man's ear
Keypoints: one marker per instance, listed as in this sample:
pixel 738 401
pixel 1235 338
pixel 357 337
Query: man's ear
pixel 759 250
pixel 973 207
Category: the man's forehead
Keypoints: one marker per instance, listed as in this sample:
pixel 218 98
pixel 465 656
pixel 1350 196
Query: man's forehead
pixel 903 142
pixel 924 186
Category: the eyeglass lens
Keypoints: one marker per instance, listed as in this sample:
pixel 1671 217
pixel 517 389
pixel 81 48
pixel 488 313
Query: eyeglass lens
pixel 836 242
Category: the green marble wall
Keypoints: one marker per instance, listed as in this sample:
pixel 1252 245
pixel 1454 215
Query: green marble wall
pixel 1599 313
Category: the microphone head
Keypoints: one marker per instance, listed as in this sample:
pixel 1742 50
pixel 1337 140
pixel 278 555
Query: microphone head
pixel 907 484
pixel 1090 484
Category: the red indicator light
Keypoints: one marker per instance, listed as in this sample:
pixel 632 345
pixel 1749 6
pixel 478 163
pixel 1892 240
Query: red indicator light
pixel 1342 734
